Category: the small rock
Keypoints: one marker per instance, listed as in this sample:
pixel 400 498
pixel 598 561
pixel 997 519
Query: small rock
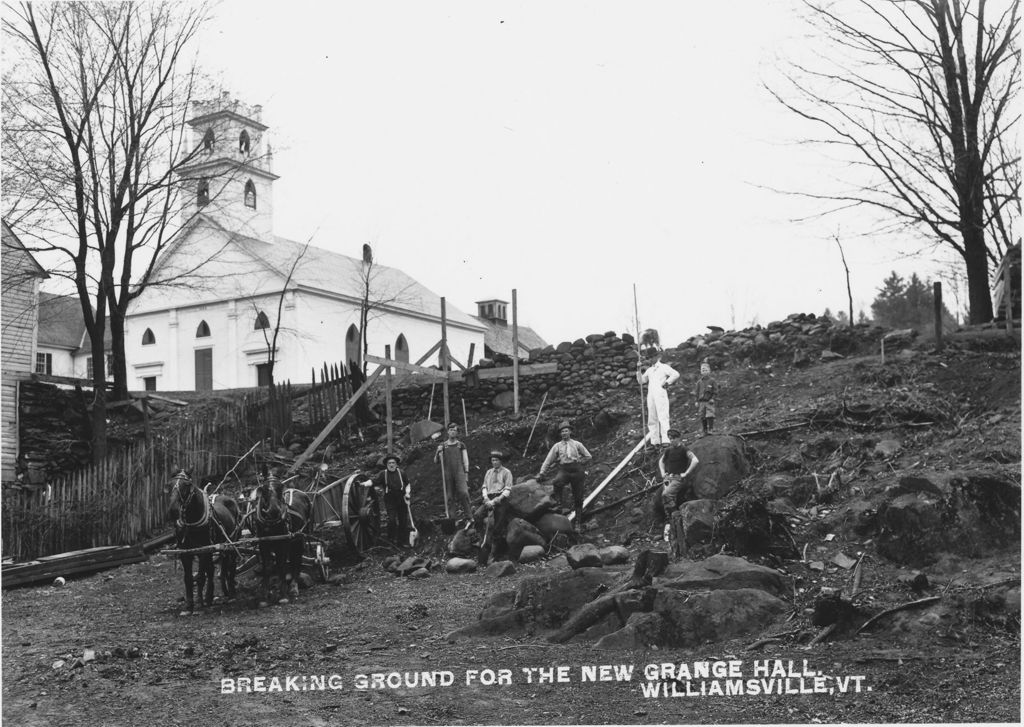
pixel 500 568
pixel 531 553
pixel 843 561
pixel 420 573
pixel 614 554
pixel 817 565
pixel 887 448
pixel 460 565
pixel 584 555
pixel 134 652
pixel 58 664
pixel 59 581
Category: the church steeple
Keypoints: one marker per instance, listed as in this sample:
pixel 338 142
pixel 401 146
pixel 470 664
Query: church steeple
pixel 229 177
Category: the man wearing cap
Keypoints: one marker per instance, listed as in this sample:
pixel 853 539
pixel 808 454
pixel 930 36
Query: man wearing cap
pixel 570 456
pixel 676 464
pixel 455 469
pixel 496 491
pixel 658 377
pixel 390 484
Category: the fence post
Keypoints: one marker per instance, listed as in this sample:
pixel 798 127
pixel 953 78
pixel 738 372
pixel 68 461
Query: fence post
pixel 937 299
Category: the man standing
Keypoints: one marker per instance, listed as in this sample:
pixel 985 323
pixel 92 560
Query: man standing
pixel 570 456
pixel 455 471
pixel 391 484
pixel 496 491
pixel 675 465
pixel 658 377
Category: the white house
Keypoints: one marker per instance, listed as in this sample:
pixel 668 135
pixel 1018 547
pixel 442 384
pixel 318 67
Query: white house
pixel 21 277
pixel 208 323
pixel 63 347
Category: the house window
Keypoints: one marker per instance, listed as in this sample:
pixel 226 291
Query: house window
pixel 402 349
pixel 244 144
pixel 148 339
pixel 208 140
pixel 250 194
pixel 203 193
pixel 261 321
pixel 44 363
pixel 203 331
pixel 263 374
pixel 149 383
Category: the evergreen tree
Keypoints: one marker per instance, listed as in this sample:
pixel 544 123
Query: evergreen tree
pixel 907 304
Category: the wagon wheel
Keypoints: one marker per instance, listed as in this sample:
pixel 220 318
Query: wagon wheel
pixel 360 514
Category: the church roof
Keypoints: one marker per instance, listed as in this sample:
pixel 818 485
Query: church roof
pixel 498 338
pixel 324 270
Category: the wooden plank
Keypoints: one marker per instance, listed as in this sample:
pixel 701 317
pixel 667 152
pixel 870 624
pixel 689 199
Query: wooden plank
pixel 612 475
pixel 402 366
pixel 334 422
pixel 551 367
pixel 429 353
pixel 387 397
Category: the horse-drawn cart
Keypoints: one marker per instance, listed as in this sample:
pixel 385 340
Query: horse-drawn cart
pixel 311 513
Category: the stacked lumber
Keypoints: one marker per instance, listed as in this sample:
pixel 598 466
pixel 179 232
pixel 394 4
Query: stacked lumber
pixel 76 562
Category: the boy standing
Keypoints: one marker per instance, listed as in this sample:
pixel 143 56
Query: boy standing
pixel 455 470
pixel 707 388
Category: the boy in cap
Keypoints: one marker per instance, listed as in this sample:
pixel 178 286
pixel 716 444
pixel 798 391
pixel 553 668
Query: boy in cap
pixel 496 490
pixel 570 456
pixel 707 388
pixel 390 483
pixel 675 465
pixel 658 377
pixel 455 470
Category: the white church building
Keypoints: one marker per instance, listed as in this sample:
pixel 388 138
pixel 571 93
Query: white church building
pixel 227 281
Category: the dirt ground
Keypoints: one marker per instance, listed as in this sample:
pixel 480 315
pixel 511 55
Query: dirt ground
pixel 958 665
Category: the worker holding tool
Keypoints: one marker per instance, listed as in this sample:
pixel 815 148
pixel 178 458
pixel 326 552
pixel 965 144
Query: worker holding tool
pixel 658 377
pixel 570 457
pixel 454 471
pixel 492 516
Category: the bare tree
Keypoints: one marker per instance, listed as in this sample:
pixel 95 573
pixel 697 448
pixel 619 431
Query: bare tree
pixel 849 291
pixel 94 133
pixel 376 294
pixel 916 95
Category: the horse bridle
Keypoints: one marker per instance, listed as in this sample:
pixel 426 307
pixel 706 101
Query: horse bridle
pixel 180 478
pixel 262 513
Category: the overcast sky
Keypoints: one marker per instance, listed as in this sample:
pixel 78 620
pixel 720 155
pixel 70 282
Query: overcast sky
pixel 568 150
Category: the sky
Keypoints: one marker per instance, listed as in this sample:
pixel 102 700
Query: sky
pixel 566 150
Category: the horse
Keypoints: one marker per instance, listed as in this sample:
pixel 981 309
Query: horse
pixel 283 515
pixel 199 521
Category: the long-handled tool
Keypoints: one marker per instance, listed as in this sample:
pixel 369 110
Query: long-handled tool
pixel 444 485
pixel 535 420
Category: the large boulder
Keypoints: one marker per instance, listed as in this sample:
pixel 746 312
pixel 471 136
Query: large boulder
pixel 723 463
pixel 460 565
pixel 584 555
pixel 551 524
pixel 553 598
pixel 911 529
pixel 614 555
pixel 690 619
pixel 723 572
pixel 697 521
pixel 463 543
pixel 531 553
pixel 530 499
pixel 521 534
pixel 424 430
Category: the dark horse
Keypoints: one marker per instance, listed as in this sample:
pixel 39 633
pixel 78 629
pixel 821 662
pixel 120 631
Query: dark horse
pixel 199 521
pixel 280 519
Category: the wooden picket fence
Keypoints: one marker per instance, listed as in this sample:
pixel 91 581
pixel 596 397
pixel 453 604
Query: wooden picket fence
pixel 122 499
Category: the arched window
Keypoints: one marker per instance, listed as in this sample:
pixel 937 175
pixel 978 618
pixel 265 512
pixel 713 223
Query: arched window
pixel 401 349
pixel 250 194
pixel 261 321
pixel 148 338
pixel 203 192
pixel 203 331
pixel 244 144
pixel 208 140
pixel 352 354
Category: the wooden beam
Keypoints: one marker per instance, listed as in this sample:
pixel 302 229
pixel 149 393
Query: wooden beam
pixel 335 421
pixel 387 399
pixel 550 367
pixel 402 366
pixel 515 356
pixel 612 475
pixel 428 354
pixel 444 359
pixel 455 361
pixel 472 347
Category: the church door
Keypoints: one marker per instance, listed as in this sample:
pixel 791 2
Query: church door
pixel 204 369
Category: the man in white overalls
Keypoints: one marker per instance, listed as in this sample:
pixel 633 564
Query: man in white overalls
pixel 658 377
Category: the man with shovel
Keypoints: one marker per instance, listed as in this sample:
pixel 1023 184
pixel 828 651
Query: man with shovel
pixel 454 471
pixel 570 456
